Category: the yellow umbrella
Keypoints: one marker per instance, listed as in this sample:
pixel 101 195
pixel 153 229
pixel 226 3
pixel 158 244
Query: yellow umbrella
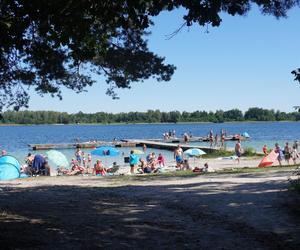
pixel 138 152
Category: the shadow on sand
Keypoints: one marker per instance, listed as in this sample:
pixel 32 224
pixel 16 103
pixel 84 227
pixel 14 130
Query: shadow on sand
pixel 206 215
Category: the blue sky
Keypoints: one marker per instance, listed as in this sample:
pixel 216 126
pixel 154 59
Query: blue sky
pixel 246 62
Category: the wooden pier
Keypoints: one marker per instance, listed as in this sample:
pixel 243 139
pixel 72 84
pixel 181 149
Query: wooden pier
pixel 125 143
pixel 170 146
pixel 80 145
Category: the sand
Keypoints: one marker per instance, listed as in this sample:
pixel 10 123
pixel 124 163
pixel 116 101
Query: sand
pixel 228 211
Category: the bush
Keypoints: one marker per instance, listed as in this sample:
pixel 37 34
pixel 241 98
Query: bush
pixel 249 152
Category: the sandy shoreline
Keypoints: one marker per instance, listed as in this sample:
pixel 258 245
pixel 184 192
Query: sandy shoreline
pixel 236 211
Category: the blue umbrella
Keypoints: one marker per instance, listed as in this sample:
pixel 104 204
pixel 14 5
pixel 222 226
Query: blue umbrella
pixel 194 152
pixel 105 151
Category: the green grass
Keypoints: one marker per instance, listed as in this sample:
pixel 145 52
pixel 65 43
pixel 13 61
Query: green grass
pixel 248 152
pixel 189 173
pixel 218 153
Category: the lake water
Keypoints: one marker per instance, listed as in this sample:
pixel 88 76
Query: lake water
pixel 15 139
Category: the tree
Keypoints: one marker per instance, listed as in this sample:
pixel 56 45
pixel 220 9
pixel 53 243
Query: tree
pixel 51 45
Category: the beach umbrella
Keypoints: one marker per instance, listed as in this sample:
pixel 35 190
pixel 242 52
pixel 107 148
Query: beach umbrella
pixel 268 160
pixel 105 151
pixel 58 158
pixel 138 152
pixel 192 152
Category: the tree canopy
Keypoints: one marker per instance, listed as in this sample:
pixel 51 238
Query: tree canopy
pixel 51 45
pixel 151 116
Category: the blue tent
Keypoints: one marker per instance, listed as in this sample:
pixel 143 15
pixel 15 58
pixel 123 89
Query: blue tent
pixel 9 168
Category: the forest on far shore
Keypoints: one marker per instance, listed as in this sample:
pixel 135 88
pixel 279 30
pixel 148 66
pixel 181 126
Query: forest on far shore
pixel 150 116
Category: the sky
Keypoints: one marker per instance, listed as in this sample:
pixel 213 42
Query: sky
pixel 245 62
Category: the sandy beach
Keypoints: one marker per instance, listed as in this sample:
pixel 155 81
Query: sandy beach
pixel 212 211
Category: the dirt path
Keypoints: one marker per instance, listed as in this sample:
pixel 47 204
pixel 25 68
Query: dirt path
pixel 245 211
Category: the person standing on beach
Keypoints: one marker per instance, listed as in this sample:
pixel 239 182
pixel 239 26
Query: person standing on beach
pixel 133 160
pixel 238 150
pixel 222 138
pixel 178 156
pixel 287 153
pixel 211 137
pixel 265 150
pixel 294 154
pixel 78 154
pixel 279 152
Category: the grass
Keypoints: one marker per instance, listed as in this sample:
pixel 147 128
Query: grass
pixel 218 153
pixel 248 152
pixel 189 173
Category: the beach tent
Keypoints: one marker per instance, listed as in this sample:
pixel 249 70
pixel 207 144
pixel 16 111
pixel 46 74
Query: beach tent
pixel 269 159
pixel 246 135
pixel 9 168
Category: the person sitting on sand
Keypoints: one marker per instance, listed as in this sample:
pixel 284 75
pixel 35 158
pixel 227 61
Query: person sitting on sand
pixel 143 168
pixel 99 168
pixel 113 169
pixel 151 160
pixel 75 168
pixel 205 169
pixel 29 160
pixel 185 165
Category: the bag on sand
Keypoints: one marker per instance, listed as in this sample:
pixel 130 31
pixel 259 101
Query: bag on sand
pixel 197 170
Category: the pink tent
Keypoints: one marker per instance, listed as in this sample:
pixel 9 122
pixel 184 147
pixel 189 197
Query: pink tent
pixel 268 160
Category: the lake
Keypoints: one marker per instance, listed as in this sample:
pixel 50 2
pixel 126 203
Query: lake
pixel 15 139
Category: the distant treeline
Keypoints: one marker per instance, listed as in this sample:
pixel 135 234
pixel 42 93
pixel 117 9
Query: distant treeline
pixel 151 116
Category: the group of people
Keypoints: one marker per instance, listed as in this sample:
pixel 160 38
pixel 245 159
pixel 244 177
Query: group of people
pixel 151 164
pixel 287 153
pixel 83 165
pixel 215 139
pixel 36 165
pixel 169 134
